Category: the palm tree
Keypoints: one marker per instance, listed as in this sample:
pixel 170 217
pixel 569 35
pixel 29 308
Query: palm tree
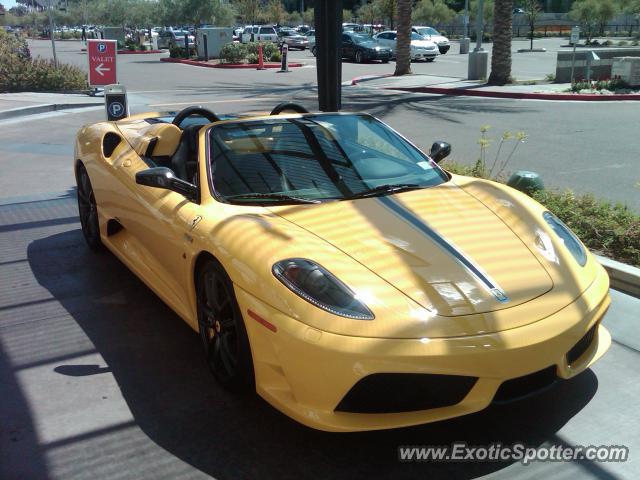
pixel 403 45
pixel 501 55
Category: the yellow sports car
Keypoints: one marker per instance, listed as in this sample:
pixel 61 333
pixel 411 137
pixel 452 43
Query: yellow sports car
pixel 331 266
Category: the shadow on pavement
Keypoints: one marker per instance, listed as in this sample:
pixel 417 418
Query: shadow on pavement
pixel 157 362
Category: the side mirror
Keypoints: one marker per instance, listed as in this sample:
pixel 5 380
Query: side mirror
pixel 163 177
pixel 439 151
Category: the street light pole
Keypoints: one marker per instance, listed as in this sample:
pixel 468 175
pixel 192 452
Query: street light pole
pixel 479 26
pixel 478 59
pixel 52 33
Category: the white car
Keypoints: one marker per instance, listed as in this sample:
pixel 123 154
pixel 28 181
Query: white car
pixel 259 33
pixel 421 49
pixel 432 34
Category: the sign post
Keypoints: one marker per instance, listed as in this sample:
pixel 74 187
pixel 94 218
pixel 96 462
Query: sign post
pixel 115 102
pixel 575 38
pixel 102 62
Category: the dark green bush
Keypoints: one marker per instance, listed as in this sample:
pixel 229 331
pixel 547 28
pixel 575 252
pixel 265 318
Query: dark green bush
pixel 233 53
pixel 252 58
pixel 19 72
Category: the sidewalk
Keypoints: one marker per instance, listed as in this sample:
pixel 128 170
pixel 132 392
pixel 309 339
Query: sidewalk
pixel 28 103
pixel 458 86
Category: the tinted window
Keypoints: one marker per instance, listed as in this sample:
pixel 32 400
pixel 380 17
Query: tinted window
pixel 314 157
pixel 267 30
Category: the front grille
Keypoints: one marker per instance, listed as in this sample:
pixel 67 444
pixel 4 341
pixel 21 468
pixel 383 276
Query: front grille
pixel 405 392
pixel 582 346
pixel 521 387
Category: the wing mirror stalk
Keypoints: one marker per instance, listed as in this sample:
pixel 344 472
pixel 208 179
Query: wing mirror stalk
pixel 163 177
pixel 439 151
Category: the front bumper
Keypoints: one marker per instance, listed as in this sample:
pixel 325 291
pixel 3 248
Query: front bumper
pixel 306 373
pixel 377 55
pixel 424 54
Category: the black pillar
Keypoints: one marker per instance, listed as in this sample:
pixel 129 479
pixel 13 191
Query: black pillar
pixel 328 23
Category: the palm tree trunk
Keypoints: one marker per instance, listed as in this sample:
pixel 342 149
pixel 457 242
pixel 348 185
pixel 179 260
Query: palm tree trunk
pixel 403 41
pixel 501 55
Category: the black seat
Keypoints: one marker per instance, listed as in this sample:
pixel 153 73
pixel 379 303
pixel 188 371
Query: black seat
pixel 184 161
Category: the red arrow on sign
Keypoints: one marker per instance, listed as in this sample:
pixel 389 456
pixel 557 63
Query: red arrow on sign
pixel 102 62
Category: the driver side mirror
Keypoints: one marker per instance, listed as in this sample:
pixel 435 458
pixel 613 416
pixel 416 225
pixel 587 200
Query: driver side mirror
pixel 163 177
pixel 439 151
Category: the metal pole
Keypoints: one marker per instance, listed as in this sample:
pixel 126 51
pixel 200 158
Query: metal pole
pixel 52 32
pixel 465 28
pixel 479 27
pixel 328 22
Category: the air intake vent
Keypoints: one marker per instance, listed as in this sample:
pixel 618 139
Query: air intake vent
pixel 109 143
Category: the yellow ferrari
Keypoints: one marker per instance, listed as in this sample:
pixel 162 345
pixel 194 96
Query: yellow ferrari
pixel 330 265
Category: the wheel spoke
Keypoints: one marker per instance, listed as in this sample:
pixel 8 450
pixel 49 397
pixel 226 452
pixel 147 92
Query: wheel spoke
pixel 227 357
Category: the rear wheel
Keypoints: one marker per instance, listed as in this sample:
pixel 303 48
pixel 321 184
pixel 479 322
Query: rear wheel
pixel 222 329
pixel 313 51
pixel 359 58
pixel 88 210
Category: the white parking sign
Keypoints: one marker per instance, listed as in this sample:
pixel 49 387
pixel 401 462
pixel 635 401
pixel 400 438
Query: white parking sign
pixel 575 35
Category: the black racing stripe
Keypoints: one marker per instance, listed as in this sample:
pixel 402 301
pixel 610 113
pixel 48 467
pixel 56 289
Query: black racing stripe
pixel 436 237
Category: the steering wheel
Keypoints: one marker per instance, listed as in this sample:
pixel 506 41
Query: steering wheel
pixel 189 111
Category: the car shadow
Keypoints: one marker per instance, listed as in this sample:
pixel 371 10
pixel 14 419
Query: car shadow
pixel 157 362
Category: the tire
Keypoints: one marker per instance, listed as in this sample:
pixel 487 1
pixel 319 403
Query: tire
pixel 313 51
pixel 222 330
pixel 385 61
pixel 358 56
pixel 88 210
pixel 430 59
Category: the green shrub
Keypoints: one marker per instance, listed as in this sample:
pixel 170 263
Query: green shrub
pixel 19 72
pixel 275 56
pixel 233 53
pixel 623 43
pixel 609 229
pixel 252 58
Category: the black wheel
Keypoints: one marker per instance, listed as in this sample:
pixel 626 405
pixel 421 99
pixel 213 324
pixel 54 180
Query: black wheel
pixel 88 210
pixel 430 59
pixel 222 330
pixel 385 61
pixel 359 58
pixel 313 51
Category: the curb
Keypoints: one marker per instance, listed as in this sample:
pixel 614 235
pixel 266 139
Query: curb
pixel 253 66
pixel 624 278
pixel 493 94
pixel 43 108
pixel 138 52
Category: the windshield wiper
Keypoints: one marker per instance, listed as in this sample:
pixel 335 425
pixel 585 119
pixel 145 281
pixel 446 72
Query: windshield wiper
pixel 274 196
pixel 383 189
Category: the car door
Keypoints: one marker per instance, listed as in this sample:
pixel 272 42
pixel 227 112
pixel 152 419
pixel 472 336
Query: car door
pixel 155 236
pixel 348 47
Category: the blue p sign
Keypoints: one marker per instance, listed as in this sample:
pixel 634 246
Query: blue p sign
pixel 102 47
pixel 116 109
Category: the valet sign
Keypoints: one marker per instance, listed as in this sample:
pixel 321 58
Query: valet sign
pixel 102 62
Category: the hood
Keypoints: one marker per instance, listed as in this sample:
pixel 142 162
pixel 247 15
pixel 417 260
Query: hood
pixel 423 44
pixel 439 246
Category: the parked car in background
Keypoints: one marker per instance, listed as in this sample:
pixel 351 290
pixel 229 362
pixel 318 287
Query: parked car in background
pixel 435 36
pixel 351 27
pixel 303 29
pixel 259 33
pixel 421 48
pixel 362 48
pixel 293 39
pixel 311 38
pixel 174 39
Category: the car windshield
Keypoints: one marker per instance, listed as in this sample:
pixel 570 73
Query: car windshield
pixel 314 158
pixel 180 33
pixel 358 39
pixel 428 31
pixel 416 36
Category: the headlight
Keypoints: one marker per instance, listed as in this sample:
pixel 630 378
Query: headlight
pixel 319 287
pixel 568 237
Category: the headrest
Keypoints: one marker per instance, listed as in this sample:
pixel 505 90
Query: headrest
pixel 168 138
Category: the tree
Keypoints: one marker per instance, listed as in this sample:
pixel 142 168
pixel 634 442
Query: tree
pixel 502 31
pixel 586 12
pixel 487 11
pixel 248 10
pixel 294 18
pixel 18 10
pixel 347 15
pixel 403 41
pixel 607 9
pixel 532 11
pixel 432 12
pixel 386 9
pixel 633 8
pixel 308 16
pixel 275 12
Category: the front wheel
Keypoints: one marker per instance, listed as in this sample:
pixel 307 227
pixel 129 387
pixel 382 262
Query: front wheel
pixel 222 330
pixel 430 59
pixel 359 57
pixel 88 210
